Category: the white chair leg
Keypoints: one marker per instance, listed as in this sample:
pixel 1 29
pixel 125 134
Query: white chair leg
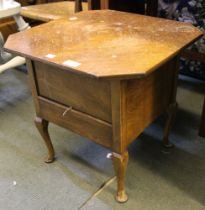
pixel 4 56
pixel 14 62
pixel 6 59
pixel 22 25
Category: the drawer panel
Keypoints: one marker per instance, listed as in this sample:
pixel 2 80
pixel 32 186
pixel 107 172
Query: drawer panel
pixel 80 123
pixel 86 94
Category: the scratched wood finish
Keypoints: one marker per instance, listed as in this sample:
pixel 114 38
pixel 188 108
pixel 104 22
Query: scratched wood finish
pixel 51 11
pixel 124 66
pixel 117 41
pixel 202 125
pixel 86 94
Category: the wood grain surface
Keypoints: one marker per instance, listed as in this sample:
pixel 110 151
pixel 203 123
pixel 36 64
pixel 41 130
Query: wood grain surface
pixel 91 96
pixel 119 44
pixel 78 122
pixel 105 75
pixel 147 98
pixel 7 27
pixel 50 11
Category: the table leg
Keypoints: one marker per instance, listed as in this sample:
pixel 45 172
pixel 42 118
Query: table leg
pixel 171 114
pixel 120 166
pixel 42 126
pixel 172 108
pixel 202 125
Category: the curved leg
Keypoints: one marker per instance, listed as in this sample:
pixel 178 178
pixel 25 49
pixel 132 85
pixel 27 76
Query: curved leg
pixel 171 114
pixel 120 166
pixel 42 126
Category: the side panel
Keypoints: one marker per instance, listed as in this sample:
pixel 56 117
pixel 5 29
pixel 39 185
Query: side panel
pixel 148 97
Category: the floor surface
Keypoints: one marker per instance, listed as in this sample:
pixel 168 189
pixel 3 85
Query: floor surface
pixel 157 179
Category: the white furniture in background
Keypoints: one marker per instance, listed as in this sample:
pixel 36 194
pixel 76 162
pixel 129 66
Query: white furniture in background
pixel 10 8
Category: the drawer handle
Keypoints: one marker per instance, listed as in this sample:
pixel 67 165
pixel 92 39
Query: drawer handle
pixel 67 110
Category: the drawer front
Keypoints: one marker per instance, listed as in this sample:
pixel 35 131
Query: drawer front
pixel 85 94
pixel 80 123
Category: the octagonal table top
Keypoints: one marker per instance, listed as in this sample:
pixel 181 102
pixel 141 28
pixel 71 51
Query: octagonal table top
pixel 105 43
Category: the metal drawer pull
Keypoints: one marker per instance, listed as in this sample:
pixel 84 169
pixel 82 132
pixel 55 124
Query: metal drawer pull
pixel 67 110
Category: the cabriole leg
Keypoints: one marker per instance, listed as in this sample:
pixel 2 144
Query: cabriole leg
pixel 171 114
pixel 120 166
pixel 42 126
